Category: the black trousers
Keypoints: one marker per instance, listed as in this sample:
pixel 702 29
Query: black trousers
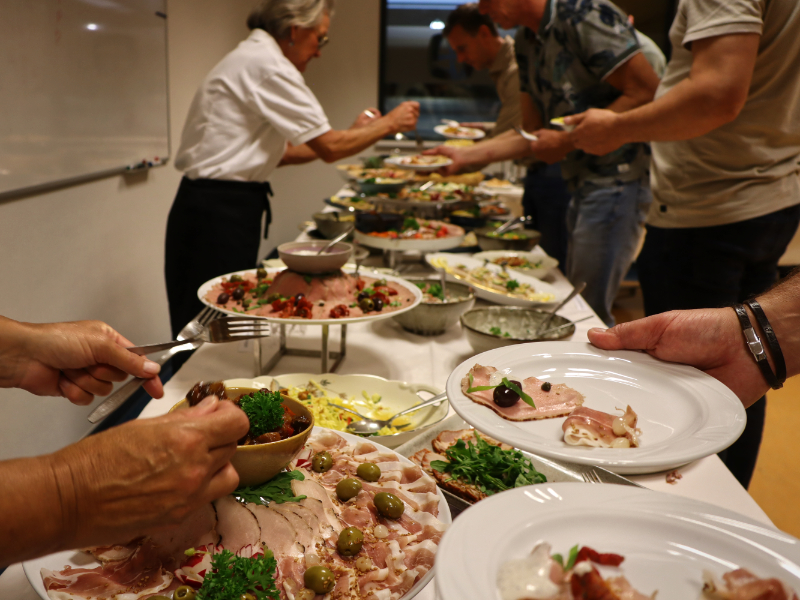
pixel 214 228
pixel 546 200
pixel 712 267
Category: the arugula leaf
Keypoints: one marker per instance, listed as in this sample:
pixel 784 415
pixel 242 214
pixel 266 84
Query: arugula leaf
pixel 573 554
pixel 490 468
pixel 277 490
pixel 479 388
pixel 233 576
pixel 495 331
pixel 559 559
pixel 514 387
pixel 265 411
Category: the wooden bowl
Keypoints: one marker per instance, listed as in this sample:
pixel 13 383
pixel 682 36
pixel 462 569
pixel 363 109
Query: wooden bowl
pixel 261 462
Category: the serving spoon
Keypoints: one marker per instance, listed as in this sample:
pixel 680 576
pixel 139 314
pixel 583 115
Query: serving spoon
pixel 338 238
pixel 549 318
pixel 368 426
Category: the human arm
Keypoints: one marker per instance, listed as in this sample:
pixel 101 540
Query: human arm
pixel 712 341
pixel 109 488
pixel 712 95
pixel 297 155
pixel 76 360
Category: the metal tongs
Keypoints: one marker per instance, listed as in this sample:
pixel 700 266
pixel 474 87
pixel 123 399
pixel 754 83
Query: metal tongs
pixel 509 224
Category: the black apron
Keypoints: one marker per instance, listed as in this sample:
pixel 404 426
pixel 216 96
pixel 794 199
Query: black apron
pixel 214 228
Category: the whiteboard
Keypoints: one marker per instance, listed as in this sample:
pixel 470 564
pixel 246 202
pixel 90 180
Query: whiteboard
pixel 83 90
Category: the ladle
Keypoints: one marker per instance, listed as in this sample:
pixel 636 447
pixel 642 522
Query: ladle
pixel 335 240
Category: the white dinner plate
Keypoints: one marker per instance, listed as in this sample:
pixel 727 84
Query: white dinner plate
pixel 500 190
pixel 546 263
pixel 75 558
pixel 377 316
pixel 667 540
pixel 455 260
pixel 464 133
pixel 684 414
pixel 404 162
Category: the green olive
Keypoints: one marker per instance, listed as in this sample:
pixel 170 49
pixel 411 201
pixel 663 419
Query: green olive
pixel 319 579
pixel 158 598
pixel 184 592
pixel 366 304
pixel 389 505
pixel 369 472
pixel 322 462
pixel 261 273
pixel 247 596
pixel 348 488
pixel 350 541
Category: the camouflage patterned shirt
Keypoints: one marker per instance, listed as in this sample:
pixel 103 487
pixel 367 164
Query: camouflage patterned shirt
pixel 563 66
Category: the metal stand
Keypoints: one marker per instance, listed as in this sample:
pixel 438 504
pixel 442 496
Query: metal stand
pixel 284 350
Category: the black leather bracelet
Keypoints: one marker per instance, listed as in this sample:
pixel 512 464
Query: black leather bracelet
pixel 756 348
pixel 772 339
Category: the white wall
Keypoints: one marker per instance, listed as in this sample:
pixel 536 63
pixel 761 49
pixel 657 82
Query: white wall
pixel 95 251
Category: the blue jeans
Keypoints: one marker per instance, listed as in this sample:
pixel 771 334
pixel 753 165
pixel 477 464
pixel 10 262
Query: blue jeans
pixel 711 267
pixel 605 225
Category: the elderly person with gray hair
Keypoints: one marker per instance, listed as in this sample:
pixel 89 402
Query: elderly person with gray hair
pixel 253 113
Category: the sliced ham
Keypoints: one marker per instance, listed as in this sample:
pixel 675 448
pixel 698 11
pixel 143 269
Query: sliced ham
pixel 446 439
pixel 276 531
pixel 559 401
pixel 198 529
pixel 237 527
pixel 588 427
pixel 741 584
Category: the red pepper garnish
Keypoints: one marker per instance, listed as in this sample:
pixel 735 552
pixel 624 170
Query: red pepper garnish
pixel 607 559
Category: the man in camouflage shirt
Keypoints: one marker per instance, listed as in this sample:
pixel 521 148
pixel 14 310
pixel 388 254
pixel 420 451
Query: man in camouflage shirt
pixel 574 55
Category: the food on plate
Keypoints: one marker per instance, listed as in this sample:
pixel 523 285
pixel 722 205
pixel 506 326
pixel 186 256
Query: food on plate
pixel 495 182
pixel 304 296
pixel 541 576
pixel 420 229
pixel 741 584
pixel 472 179
pixel 515 261
pixel 423 160
pixel 458 131
pixel 313 544
pixel 588 427
pixel 508 235
pixel 316 396
pixel 359 172
pixel 432 293
pixel 528 400
pixel 270 419
pixel 354 202
pixel 497 281
pixel 438 192
pixel 474 466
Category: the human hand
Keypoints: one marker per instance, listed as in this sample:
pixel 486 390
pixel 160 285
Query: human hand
pixel 147 475
pixel 365 117
pixel 404 116
pixel 455 154
pixel 597 131
pixel 551 146
pixel 709 339
pixel 76 360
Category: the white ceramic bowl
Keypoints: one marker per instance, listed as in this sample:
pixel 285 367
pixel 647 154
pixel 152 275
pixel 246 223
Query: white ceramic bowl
pixel 302 257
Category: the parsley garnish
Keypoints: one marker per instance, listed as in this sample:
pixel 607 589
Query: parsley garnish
pixel 233 576
pixel 277 490
pixel 410 223
pixel 512 284
pixel 495 331
pixel 573 555
pixel 489 468
pixel 394 303
pixel 308 278
pixel 265 411
pixel 435 290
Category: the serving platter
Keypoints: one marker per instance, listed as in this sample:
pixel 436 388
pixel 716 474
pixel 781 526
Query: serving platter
pixel 433 245
pixel 667 540
pixel 375 316
pixel 684 414
pixel 463 133
pixel 76 558
pixel 449 261
pixel 404 162
pixel 537 255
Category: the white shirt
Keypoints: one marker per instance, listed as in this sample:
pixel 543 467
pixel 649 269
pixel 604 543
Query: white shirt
pixel 249 105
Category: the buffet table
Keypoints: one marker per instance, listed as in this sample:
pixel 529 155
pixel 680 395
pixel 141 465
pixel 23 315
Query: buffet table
pixel 383 348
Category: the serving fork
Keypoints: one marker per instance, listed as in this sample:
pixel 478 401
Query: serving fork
pixel 227 329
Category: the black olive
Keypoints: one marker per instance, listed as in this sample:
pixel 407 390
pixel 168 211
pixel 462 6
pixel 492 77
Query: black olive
pixel 546 386
pixel 261 273
pixel 299 296
pixel 238 293
pixel 505 397
pixel 223 298
pixel 361 296
pixel 300 423
pixel 378 304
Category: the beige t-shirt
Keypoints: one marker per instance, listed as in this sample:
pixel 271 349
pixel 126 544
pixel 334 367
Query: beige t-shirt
pixel 751 166
pixel 505 75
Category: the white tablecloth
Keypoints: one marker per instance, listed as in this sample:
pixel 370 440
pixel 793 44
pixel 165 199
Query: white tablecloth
pixel 383 348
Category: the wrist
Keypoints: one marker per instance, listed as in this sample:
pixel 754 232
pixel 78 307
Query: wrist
pixel 65 489
pixel 785 321
pixel 15 349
